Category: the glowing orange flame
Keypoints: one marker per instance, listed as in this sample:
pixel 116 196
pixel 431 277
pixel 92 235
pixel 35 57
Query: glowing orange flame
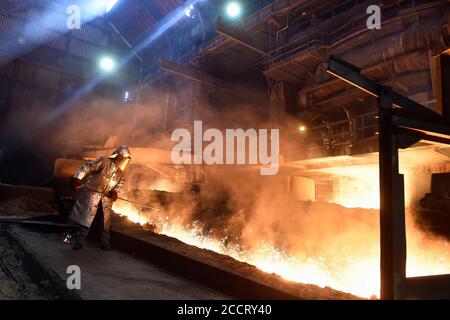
pixel 354 270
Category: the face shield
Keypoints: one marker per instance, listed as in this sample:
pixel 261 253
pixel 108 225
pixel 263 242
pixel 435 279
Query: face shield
pixel 121 157
pixel 122 162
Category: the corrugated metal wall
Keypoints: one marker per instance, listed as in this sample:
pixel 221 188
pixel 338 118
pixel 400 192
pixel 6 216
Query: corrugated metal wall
pixel 53 61
pixel 34 28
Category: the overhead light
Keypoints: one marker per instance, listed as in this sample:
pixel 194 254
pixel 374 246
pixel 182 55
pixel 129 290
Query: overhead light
pixel 110 4
pixel 92 9
pixel 189 11
pixel 107 64
pixel 234 9
pixel 302 128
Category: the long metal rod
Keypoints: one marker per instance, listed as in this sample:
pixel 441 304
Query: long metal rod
pixel 139 204
pixel 119 34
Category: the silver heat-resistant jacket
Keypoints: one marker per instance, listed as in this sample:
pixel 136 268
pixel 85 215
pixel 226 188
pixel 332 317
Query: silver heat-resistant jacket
pixel 103 176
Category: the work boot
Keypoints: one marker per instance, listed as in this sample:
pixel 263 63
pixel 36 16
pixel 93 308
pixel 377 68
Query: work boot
pixel 105 242
pixel 79 237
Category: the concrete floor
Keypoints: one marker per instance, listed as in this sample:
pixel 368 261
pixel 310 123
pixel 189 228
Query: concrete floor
pixel 15 283
pixel 112 274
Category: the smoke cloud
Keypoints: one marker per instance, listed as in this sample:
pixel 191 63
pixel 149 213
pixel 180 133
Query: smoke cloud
pixel 235 210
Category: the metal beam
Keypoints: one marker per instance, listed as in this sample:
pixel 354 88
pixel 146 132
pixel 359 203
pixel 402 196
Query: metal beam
pixel 398 128
pixel 259 16
pixel 392 204
pixel 427 287
pixel 411 137
pixel 352 75
pixel 196 74
pixel 241 36
pixel 124 40
pixel 436 126
pixel 370 69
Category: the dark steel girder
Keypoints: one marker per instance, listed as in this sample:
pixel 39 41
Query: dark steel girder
pixel 242 37
pixel 399 127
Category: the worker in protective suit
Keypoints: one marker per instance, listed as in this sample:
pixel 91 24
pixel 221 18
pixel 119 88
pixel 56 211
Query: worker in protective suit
pixel 104 177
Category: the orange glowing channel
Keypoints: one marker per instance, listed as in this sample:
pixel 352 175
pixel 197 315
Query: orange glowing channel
pixel 357 272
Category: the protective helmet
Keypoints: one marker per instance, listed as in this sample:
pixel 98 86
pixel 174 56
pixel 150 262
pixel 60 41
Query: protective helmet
pixel 121 157
pixel 122 151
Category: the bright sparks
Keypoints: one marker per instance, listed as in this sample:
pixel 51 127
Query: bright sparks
pixel 349 262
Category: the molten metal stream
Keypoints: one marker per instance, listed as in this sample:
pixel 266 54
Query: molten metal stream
pixel 352 267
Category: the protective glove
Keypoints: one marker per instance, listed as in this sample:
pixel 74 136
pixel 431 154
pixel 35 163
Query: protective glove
pixel 113 195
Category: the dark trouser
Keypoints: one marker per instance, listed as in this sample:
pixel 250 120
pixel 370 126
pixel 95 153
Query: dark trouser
pixel 82 233
pixel 107 213
pixel 80 237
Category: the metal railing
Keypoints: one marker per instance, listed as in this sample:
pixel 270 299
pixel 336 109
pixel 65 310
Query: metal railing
pixel 334 135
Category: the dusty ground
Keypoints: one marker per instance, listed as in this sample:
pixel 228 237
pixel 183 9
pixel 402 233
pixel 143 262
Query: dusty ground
pixel 15 284
pixel 21 202
pixel 105 275
pixel 25 201
pixel 109 275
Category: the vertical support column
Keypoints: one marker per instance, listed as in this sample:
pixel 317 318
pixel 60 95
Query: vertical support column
pixel 201 100
pixel 445 86
pixel 10 91
pixel 392 207
pixel 166 105
pixel 274 103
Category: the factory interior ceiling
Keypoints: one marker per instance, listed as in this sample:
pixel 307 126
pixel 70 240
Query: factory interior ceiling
pixel 297 147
